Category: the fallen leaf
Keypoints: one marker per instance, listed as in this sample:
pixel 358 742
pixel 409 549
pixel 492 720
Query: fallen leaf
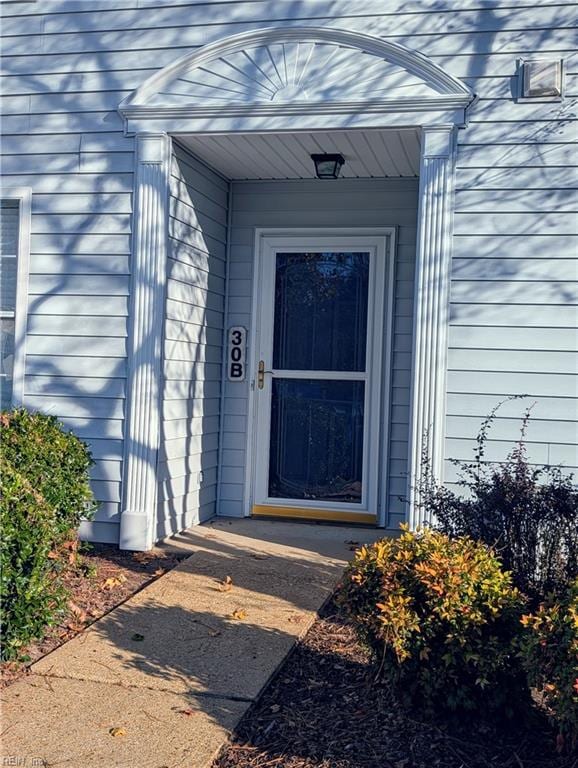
pixel 215 632
pixel 296 619
pixel 117 732
pixel 79 613
pixel 187 712
pixel 113 581
pixel 160 572
pixel 239 614
pixel 52 555
pixel 137 637
pixel 226 585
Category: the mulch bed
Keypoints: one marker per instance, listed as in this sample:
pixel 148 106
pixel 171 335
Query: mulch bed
pixel 322 710
pixel 103 578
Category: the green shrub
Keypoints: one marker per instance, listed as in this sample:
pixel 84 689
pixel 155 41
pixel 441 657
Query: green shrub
pixel 439 616
pixel 45 492
pixel 549 649
pixel 528 514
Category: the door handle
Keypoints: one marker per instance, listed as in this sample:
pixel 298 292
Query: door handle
pixel 261 374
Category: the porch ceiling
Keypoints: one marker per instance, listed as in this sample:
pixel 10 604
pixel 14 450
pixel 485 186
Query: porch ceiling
pixel 367 153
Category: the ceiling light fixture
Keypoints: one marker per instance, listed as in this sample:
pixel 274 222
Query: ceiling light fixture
pixel 327 166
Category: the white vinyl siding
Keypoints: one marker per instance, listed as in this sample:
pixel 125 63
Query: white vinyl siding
pixel 81 180
pixel 514 295
pixel 192 344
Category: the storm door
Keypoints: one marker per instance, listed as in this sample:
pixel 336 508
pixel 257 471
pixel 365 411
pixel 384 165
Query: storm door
pixel 317 383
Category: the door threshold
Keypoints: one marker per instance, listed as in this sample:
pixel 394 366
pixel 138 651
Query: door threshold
pixel 318 515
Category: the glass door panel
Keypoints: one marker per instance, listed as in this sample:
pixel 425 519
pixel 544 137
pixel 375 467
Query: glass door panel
pixel 316 444
pixel 317 425
pixel 321 311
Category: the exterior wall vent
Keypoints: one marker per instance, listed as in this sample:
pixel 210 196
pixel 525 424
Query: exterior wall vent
pixel 541 79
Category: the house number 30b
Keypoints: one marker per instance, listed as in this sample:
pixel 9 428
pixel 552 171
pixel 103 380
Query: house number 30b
pixel 236 353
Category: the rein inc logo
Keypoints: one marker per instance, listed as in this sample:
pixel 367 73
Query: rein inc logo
pixel 23 762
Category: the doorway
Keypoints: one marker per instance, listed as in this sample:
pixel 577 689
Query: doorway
pixel 320 374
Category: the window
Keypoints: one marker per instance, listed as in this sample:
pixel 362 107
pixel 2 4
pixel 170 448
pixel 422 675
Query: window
pixel 14 255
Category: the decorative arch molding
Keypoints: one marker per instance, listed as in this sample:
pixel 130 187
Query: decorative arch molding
pixel 272 80
pixel 334 78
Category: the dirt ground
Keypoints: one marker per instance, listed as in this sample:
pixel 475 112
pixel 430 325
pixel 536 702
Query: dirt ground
pixel 323 710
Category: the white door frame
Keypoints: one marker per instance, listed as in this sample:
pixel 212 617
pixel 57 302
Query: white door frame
pixel 377 396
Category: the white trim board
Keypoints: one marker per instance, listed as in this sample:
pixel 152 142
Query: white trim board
pixel 148 286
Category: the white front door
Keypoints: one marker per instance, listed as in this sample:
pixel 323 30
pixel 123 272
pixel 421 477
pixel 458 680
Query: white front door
pixel 318 384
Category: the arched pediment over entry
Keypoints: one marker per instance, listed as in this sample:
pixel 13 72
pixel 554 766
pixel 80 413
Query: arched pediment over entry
pixel 318 81
pixel 297 70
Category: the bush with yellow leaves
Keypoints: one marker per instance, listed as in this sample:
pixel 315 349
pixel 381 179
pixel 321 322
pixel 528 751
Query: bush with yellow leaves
pixel 549 650
pixel 440 617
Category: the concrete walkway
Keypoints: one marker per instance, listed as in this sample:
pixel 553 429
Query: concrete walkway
pixel 176 666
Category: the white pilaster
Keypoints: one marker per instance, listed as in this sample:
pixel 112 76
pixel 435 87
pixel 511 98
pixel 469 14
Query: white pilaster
pixel 148 278
pixel 431 308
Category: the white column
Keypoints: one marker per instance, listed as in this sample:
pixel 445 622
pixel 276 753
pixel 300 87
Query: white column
pixel 148 278
pixel 431 308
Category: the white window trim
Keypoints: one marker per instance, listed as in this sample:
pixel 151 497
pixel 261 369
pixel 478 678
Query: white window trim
pixel 24 197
